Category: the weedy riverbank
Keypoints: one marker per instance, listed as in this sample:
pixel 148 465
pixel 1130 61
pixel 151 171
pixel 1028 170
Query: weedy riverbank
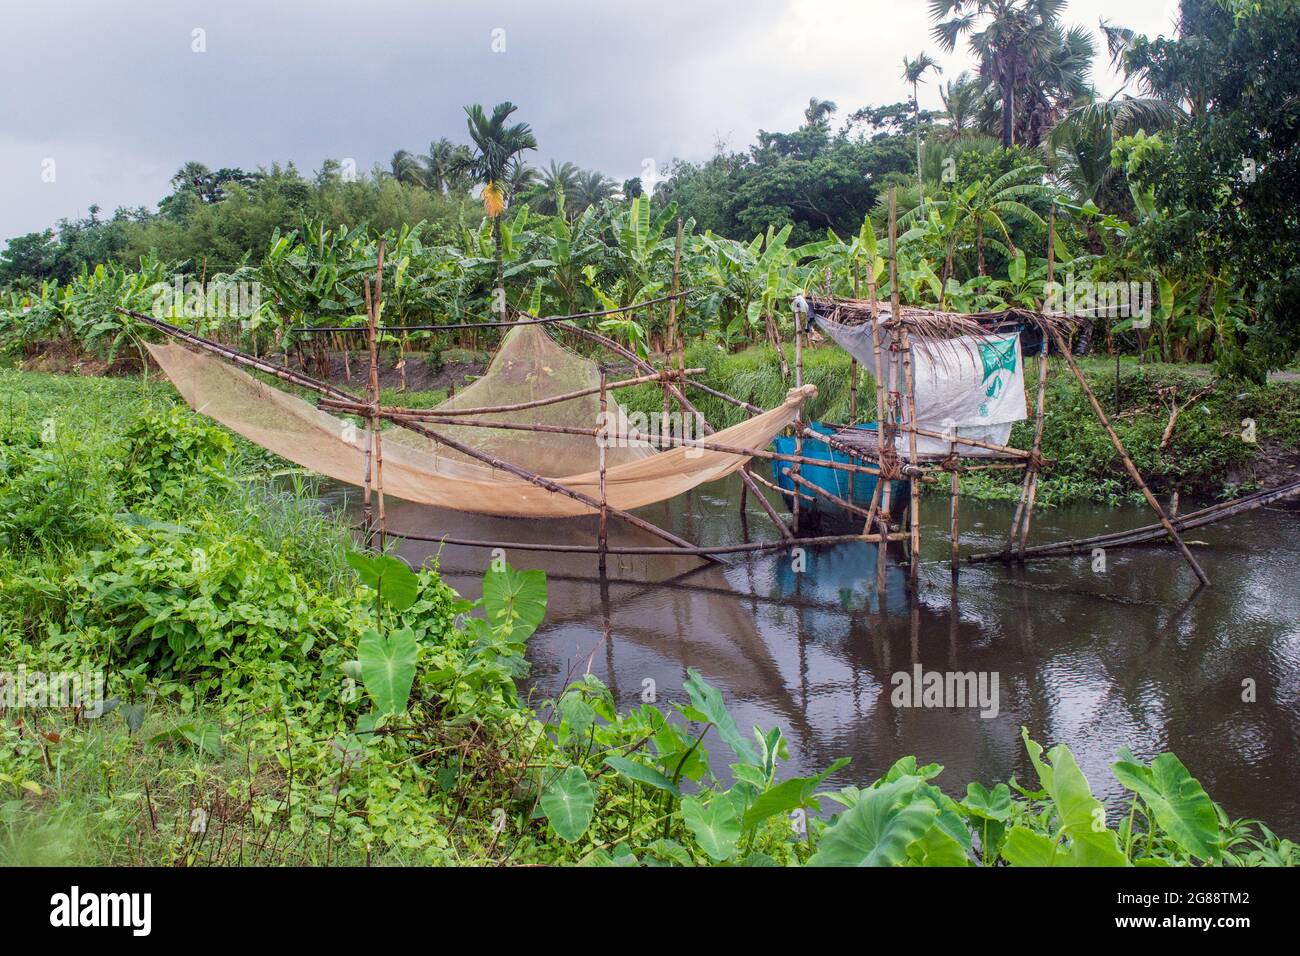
pixel 274 697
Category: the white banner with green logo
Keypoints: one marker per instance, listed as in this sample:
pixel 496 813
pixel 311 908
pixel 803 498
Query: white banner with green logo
pixel 976 385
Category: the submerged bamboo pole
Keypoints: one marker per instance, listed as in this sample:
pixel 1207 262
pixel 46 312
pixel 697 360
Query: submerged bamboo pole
pixel 1146 534
pixel 1129 466
pixel 953 489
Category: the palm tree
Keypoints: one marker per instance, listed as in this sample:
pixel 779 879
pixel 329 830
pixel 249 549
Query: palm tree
pixel 960 100
pixel 520 179
pixel 913 73
pixel 592 189
pixel 554 184
pixel 406 168
pixel 445 165
pixel 818 112
pixel 1023 54
pixel 496 145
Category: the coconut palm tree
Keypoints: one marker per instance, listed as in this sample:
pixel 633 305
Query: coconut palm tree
pixel 497 144
pixel 445 165
pixel 520 179
pixel 818 112
pixel 406 168
pixel 913 73
pixel 1024 54
pixel 592 189
pixel 960 100
pixel 555 183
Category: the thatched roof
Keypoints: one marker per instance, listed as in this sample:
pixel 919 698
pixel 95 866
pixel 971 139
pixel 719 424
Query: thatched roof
pixel 931 323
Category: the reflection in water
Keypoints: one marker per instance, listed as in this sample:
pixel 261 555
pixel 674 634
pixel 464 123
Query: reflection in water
pixel 1132 656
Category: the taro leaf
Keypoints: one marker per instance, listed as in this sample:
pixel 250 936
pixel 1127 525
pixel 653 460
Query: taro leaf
pixel 670 851
pixel 388 668
pixel 204 737
pixel 396 583
pixel 640 773
pixel 787 795
pixel 1024 847
pixel 707 700
pixel 568 803
pixel 716 825
pixel 1180 804
pixel 938 848
pixel 514 601
pixel 578 714
pixel 1081 815
pixel 992 804
pixel 878 829
pixel 134 715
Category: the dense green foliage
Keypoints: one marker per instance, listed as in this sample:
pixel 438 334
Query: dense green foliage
pixel 275 697
pixel 1188 186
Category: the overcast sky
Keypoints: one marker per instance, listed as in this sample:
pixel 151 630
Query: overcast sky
pixel 116 96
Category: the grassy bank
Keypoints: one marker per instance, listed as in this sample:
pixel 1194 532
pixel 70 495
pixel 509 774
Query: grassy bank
pixel 274 697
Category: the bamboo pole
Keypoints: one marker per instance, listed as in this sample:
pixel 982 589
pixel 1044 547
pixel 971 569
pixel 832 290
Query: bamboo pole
pixel 687 551
pixel 672 317
pixel 953 489
pixel 1128 462
pixel 687 407
pixel 541 482
pixel 1029 487
pixel 817 490
pixel 511 323
pixel 601 441
pixel 914 508
pixel 376 306
pixel 795 508
pixel 1153 532
pixel 662 441
pixel 416 413
pixel 372 402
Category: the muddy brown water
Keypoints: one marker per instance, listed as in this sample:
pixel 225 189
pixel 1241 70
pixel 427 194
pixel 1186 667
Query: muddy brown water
pixel 1130 656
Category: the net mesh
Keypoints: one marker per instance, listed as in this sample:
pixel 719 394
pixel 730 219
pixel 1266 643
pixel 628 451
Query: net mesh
pixel 529 365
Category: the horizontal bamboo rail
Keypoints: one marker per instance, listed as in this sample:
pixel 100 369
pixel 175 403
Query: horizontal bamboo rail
pixel 415 413
pixel 531 320
pixel 688 551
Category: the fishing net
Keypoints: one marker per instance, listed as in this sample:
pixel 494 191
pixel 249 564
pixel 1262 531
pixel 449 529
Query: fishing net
pixel 528 366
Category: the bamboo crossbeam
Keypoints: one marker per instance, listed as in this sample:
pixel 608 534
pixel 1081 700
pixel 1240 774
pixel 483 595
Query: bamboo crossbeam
pixel 530 320
pixel 661 441
pixel 416 413
pixel 688 551
pixel 687 406
pixel 963 440
pixel 822 492
pixel 538 480
pixel 241 358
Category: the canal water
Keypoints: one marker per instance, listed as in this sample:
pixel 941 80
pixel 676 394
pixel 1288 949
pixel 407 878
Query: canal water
pixel 1130 655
